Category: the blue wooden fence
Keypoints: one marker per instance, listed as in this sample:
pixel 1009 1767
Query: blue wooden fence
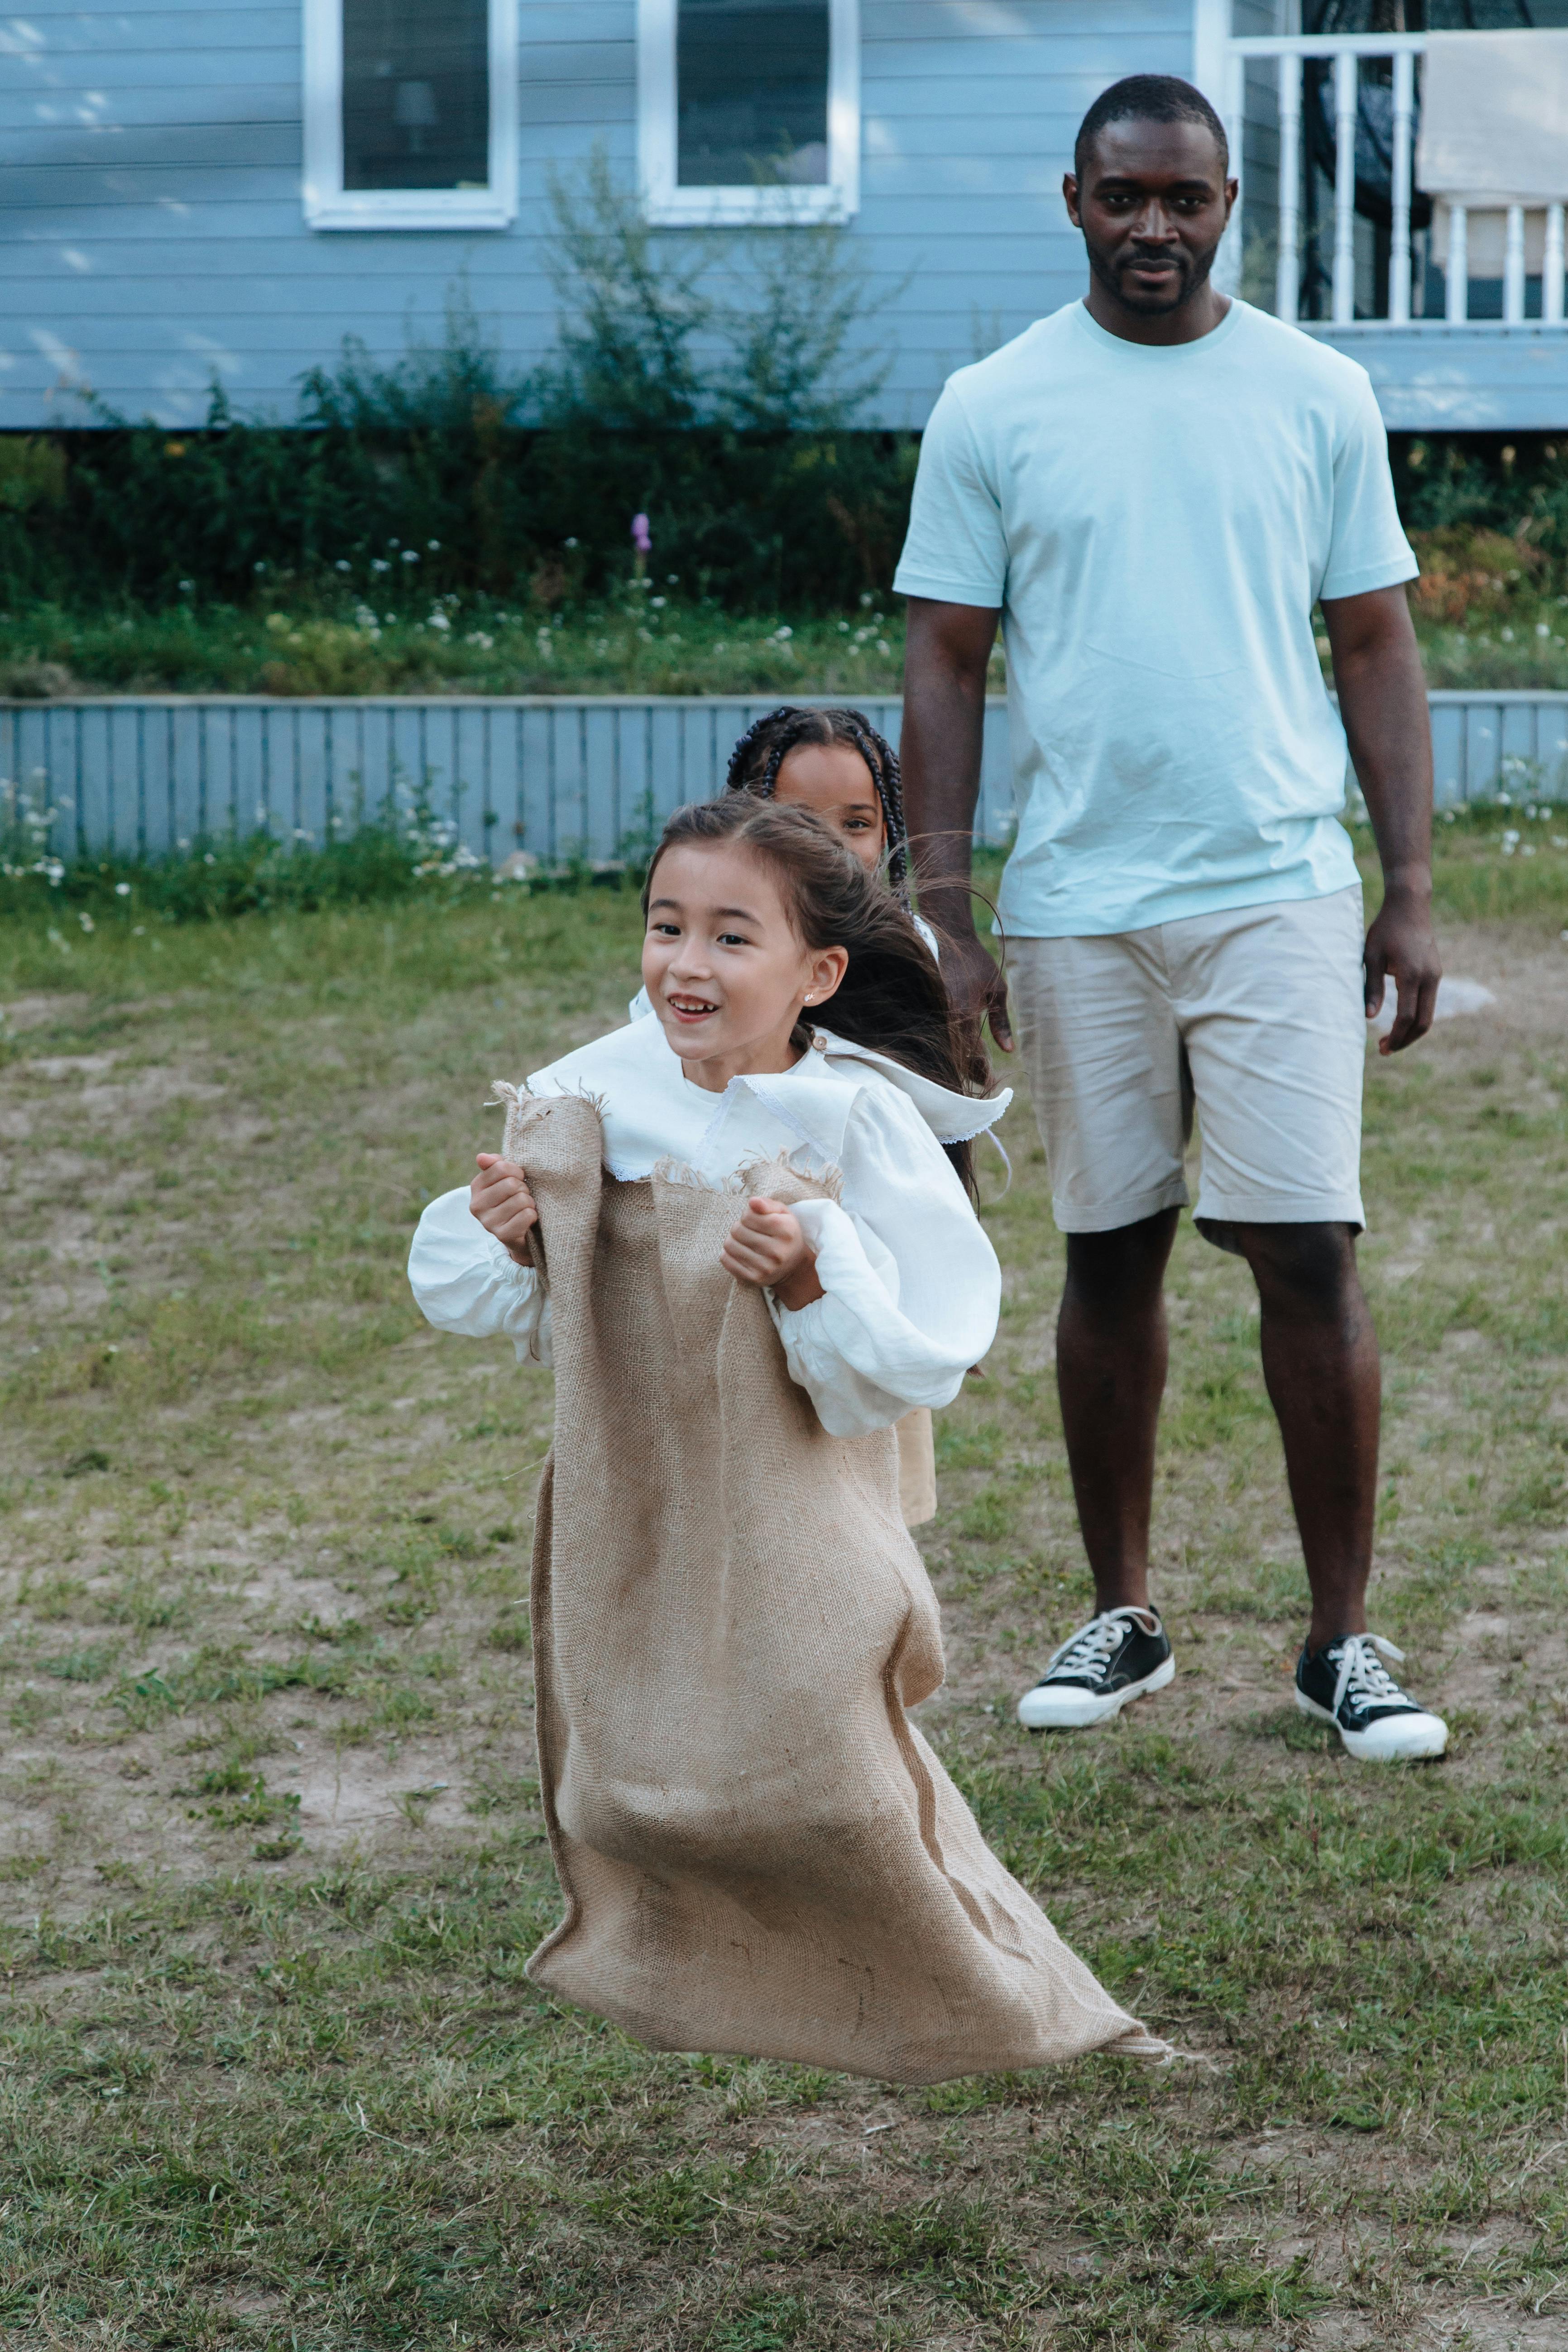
pixel 557 775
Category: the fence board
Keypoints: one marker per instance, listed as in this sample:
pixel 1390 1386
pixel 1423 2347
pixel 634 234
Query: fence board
pixel 559 776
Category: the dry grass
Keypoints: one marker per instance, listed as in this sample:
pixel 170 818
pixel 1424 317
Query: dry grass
pixel 270 1859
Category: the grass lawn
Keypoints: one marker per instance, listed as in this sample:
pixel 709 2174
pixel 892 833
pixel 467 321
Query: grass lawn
pixel 270 1856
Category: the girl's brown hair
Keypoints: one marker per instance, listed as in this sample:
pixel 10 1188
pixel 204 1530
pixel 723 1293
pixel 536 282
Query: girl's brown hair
pixel 891 997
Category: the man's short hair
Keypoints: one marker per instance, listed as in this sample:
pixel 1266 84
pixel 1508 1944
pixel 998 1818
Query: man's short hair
pixel 1148 97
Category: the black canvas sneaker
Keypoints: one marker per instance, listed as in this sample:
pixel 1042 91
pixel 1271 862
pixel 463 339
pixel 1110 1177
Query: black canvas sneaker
pixel 1116 1656
pixel 1346 1684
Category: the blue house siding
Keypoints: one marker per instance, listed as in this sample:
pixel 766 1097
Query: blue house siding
pixel 150 165
pixel 150 194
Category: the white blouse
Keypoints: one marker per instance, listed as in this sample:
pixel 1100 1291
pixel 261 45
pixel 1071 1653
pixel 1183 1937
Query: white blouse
pixel 912 1287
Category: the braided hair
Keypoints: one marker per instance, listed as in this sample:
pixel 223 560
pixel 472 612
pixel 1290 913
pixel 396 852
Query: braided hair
pixel 755 761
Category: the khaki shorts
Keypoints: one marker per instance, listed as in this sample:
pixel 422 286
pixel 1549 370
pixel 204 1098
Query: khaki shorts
pixel 1254 1014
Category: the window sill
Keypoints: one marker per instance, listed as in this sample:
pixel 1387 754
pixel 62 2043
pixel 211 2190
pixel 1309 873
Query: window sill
pixel 669 207
pixel 385 208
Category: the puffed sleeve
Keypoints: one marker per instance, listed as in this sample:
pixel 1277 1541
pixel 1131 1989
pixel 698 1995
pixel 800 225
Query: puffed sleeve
pixel 912 1285
pixel 464 1281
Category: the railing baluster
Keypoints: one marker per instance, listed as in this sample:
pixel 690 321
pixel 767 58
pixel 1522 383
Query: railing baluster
pixel 1399 246
pixel 1552 268
pixel 1344 186
pixel 1513 267
pixel 1288 270
pixel 1456 304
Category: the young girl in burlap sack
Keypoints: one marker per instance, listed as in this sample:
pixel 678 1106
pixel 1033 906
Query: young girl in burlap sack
pixel 746 1243
pixel 835 763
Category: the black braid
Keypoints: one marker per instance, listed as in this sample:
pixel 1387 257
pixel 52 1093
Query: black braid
pixel 883 761
pixel 782 730
pixel 735 779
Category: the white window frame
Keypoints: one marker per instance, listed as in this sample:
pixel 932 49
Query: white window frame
pixel 328 205
pixel 669 205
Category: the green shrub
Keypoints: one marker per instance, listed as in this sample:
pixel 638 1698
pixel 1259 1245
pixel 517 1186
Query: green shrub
pixel 404 851
pixel 704 382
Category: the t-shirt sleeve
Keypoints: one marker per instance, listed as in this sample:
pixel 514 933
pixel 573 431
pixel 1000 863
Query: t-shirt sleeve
pixel 1367 546
pixel 956 550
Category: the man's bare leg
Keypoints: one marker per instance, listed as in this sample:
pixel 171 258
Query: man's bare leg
pixel 1110 1374
pixel 1321 1366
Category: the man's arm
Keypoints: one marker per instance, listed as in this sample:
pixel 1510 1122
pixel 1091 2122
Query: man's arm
pixel 948 648
pixel 1383 702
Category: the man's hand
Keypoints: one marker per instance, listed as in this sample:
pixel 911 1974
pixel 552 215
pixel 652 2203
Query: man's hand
pixel 768 1247
pixel 500 1198
pixel 1400 945
pixel 977 986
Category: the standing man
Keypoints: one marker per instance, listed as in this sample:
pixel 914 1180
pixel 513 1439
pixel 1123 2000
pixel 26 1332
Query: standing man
pixel 1152 488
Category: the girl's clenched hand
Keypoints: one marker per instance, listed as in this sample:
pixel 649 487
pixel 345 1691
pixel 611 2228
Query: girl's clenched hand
pixel 768 1247
pixel 500 1198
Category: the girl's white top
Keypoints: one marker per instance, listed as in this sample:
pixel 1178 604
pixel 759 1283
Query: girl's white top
pixel 910 1281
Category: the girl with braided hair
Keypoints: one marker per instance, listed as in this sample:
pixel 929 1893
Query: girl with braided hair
pixel 833 763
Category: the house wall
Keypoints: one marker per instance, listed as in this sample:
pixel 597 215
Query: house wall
pixel 150 164
pixel 150 232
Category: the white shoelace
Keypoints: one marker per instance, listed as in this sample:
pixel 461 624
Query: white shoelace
pixel 1364 1676
pixel 1091 1650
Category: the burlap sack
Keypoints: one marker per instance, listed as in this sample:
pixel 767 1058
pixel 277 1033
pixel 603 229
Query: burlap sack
pixel 917 1466
pixel 759 1853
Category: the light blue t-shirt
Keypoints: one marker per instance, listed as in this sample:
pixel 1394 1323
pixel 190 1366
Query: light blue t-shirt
pixel 1156 523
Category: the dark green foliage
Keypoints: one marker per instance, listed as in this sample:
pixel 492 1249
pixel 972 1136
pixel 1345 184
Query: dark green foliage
pixel 702 382
pixel 758 520
pixel 1490 481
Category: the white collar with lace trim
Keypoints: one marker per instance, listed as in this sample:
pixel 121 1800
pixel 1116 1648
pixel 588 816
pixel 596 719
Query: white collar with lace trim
pixel 651 1110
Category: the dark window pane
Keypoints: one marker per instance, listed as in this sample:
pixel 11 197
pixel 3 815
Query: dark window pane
pixel 751 77
pixel 416 94
pixel 1431 16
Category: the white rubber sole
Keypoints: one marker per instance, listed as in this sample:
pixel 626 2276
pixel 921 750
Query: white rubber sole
pixel 1070 1710
pixel 1396 1740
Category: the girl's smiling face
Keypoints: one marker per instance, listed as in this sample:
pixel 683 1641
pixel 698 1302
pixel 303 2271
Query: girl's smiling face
pixel 834 782
pixel 725 970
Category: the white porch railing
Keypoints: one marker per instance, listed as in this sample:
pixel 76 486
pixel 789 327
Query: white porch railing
pixel 1404 304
